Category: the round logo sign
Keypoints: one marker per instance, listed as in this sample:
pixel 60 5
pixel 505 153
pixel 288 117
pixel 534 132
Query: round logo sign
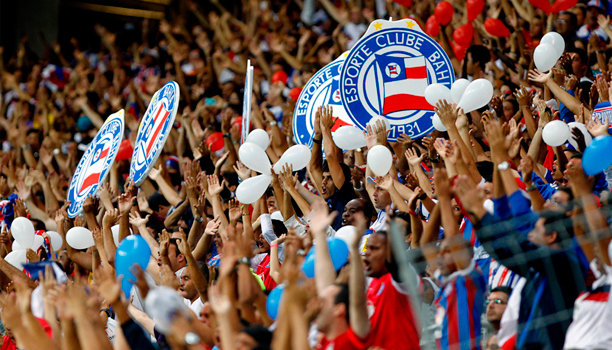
pixel 386 73
pixel 95 164
pixel 323 88
pixel 154 129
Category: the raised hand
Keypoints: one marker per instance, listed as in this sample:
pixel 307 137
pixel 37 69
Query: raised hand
pixel 539 77
pixel 523 97
pixel 447 114
pixel 155 173
pixel 414 160
pixel 597 128
pixel 110 217
pixel 242 171
pixel 214 187
pixel 320 218
pixel 385 182
pixel 212 227
pixel 327 118
pixel 137 221
pixel 125 203
pixel 234 211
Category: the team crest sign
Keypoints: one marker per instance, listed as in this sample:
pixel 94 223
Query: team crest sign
pixel 323 88
pixel 386 73
pixel 154 130
pixel 96 162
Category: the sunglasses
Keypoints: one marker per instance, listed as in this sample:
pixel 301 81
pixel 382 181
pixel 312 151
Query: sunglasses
pixel 496 301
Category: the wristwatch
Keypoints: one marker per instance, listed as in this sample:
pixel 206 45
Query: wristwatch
pixel 531 187
pixel 244 260
pixel 503 165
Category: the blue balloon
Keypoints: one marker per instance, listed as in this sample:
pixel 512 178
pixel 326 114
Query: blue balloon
pixel 274 300
pixel 133 250
pixel 308 266
pixel 597 156
pixel 338 250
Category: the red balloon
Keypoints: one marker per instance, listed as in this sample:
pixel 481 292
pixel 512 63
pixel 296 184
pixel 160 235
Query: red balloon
pixel 432 26
pixel 405 3
pixel 125 151
pixel 459 50
pixel 294 94
pixel 444 12
pixel 280 76
pixel 463 34
pixel 215 141
pixel 543 5
pixel 496 27
pixel 474 8
pixel 562 5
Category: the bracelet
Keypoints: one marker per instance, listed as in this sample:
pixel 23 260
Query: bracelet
pixel 317 141
pixel 532 187
pixel 199 219
pixel 359 150
pixel 274 245
pixel 412 212
pixel 227 135
pixel 273 123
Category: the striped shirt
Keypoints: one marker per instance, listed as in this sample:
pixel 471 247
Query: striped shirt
pixel 459 305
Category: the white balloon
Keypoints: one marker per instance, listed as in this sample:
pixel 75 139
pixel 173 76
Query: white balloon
pixel 251 189
pixel 437 123
pixel 115 232
pixel 297 155
pixel 56 240
pixel 38 241
pixel 457 89
pixel 349 137
pixel 163 303
pixel 260 138
pixel 545 57
pixel 79 238
pixel 476 95
pixel 555 133
pixel 254 158
pixel 555 40
pixel 16 258
pixel 23 231
pixel 377 118
pixel 346 233
pixel 17 246
pixel 437 92
pixel 380 160
pixel 587 136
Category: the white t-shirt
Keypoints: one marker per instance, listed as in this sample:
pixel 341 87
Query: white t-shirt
pixel 592 324
pixel 196 306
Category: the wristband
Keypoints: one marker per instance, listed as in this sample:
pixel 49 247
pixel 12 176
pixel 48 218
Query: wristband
pixel 532 187
pixel 317 141
pixel 274 245
pixel 228 135
pixel 358 150
pixel 199 219
pixel 273 123
pixel 412 212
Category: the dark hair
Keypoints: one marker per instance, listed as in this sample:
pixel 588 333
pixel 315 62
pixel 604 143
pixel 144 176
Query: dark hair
pixel 279 228
pixel 343 297
pixel 485 168
pixel 566 190
pixel 156 200
pixel 573 20
pixel 558 222
pixel 261 334
pixel 503 289
pixel 480 55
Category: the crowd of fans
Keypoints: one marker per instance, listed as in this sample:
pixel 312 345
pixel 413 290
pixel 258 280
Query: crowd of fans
pixel 506 238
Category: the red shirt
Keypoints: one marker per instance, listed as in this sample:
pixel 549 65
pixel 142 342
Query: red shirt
pixel 263 271
pixel 347 340
pixel 391 316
